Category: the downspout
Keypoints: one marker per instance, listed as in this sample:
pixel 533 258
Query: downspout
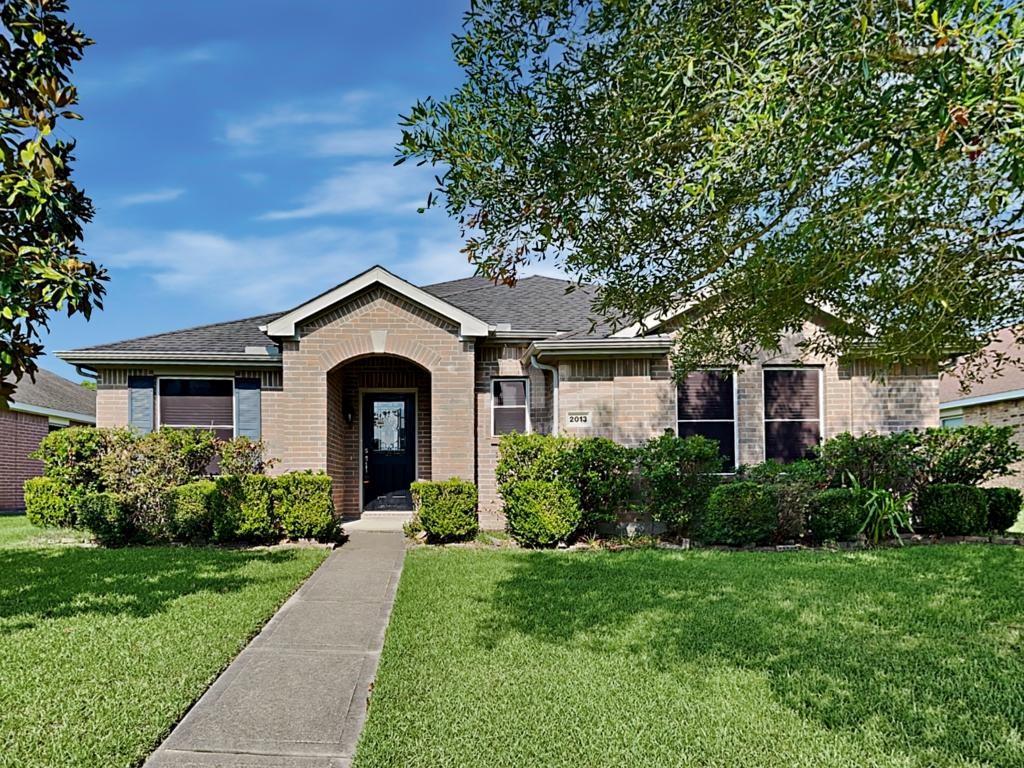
pixel 554 390
pixel 90 374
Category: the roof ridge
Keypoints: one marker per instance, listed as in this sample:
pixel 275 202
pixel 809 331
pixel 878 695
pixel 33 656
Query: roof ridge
pixel 180 330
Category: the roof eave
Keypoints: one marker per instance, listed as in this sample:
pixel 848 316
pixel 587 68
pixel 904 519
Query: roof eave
pixel 85 357
pixel 607 347
pixel 39 410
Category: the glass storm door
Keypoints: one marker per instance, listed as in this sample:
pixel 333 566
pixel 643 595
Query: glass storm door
pixel 389 455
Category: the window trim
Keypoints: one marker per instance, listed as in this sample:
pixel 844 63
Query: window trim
pixel 525 405
pixel 159 414
pixel 735 414
pixel 820 370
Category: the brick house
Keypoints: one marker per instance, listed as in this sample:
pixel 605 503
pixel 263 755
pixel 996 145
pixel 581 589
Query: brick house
pixel 379 382
pixel 39 407
pixel 997 400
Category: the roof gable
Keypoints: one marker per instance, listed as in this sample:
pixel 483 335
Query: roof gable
pixel 285 325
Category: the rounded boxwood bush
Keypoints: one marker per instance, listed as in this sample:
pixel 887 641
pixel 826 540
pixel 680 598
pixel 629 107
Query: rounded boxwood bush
pixel 835 514
pixel 106 518
pixel 243 510
pixel 446 511
pixel 541 513
pixel 304 506
pixel 1004 506
pixel 677 476
pixel 191 511
pixel 952 509
pixel 48 503
pixel 739 514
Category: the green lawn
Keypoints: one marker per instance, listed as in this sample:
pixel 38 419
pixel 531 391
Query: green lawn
pixel 909 657
pixel 102 651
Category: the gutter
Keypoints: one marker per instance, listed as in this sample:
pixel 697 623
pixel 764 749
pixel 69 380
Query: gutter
pixel 91 359
pixel 605 347
pixel 996 397
pixel 554 391
pixel 39 410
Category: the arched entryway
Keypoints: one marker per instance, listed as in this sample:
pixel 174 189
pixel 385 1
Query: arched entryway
pixel 378 432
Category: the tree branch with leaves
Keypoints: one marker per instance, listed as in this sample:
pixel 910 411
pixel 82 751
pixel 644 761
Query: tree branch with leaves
pixel 866 157
pixel 42 267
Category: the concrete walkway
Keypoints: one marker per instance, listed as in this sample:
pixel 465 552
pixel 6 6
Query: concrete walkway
pixel 296 696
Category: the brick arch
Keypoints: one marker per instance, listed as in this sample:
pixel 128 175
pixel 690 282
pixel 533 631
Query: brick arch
pixel 364 345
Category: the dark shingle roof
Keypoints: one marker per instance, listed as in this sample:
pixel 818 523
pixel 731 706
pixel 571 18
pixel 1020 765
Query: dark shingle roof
pixel 536 303
pixel 55 392
pixel 232 336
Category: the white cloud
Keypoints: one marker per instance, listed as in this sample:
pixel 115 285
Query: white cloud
pixel 252 275
pixel 148 198
pixel 357 142
pixel 364 187
pixel 281 121
pixel 146 65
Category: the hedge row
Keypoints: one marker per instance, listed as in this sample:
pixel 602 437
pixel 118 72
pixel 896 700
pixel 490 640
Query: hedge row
pixel 126 487
pixel 555 488
pixel 253 509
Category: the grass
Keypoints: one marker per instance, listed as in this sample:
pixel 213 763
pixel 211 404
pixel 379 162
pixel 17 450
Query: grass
pixel 911 657
pixel 102 651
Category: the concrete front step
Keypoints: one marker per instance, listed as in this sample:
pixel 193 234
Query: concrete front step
pixel 377 521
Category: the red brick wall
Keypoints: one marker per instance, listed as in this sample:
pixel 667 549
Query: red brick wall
pixel 20 434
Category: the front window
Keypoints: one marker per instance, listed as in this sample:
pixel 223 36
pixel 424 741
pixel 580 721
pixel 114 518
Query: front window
pixel 198 404
pixel 510 406
pixel 952 421
pixel 706 407
pixel 792 412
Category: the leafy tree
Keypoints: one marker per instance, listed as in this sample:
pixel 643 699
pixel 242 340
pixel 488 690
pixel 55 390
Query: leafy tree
pixel 863 157
pixel 42 268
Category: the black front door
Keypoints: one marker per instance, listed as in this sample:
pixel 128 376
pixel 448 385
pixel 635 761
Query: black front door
pixel 389 455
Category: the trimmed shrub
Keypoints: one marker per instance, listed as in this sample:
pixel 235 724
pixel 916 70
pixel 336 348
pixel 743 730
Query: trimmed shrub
pixel 541 513
pixel 141 469
pixel 795 485
pixel 446 510
pixel 599 469
pixel 72 456
pixel 677 475
pixel 304 506
pixel 242 456
pixel 836 514
pixel 191 511
pixel 243 509
pixel 952 509
pixel 894 462
pixel 739 514
pixel 969 455
pixel 48 503
pixel 106 518
pixel 1004 506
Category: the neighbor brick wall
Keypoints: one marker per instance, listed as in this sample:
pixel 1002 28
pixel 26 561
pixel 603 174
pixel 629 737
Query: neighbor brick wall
pixel 20 435
pixel 1008 413
pixel 375 322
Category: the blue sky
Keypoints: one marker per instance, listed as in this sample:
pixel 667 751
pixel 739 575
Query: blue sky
pixel 239 153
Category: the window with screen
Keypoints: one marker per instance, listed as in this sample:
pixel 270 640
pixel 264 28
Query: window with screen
pixel 198 404
pixel 509 406
pixel 792 412
pixel 705 405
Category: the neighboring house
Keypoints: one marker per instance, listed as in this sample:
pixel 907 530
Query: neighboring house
pixel 996 400
pixel 39 407
pixel 379 382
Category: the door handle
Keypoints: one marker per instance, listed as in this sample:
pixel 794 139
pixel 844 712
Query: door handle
pixel 366 465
